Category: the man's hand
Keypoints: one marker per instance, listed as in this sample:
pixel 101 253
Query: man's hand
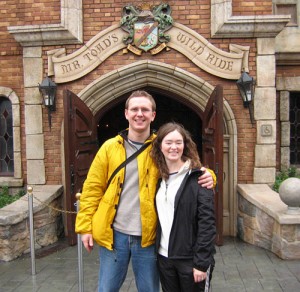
pixel 87 240
pixel 206 179
pixel 198 275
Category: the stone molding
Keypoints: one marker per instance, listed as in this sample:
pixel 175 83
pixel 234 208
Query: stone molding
pixel 69 31
pixel 225 25
pixel 228 65
pixel 144 73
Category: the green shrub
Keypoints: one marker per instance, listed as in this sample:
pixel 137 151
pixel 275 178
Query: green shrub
pixel 283 175
pixel 6 198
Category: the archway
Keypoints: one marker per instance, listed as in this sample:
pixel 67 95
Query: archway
pixel 107 91
pixel 168 109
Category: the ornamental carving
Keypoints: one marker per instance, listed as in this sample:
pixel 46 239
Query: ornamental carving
pixel 146 27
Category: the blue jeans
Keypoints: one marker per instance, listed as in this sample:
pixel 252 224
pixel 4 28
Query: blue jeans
pixel 114 264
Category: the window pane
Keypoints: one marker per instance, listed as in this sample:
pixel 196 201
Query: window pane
pixel 6 137
pixel 295 128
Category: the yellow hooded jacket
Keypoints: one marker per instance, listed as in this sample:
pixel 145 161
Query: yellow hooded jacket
pixel 99 202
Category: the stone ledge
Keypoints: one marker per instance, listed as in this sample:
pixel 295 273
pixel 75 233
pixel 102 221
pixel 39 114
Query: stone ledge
pixel 262 196
pixel 263 221
pixel 14 222
pixel 69 31
pixel 225 25
pixel 18 211
pixel 11 181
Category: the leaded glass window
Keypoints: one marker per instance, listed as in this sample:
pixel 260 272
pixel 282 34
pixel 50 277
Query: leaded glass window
pixel 295 128
pixel 6 138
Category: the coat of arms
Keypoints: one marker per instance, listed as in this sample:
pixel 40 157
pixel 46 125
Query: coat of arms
pixel 146 27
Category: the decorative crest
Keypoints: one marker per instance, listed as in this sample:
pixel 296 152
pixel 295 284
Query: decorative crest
pixel 146 27
pixel 145 6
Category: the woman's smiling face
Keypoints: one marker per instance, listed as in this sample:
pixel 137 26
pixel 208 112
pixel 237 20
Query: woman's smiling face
pixel 172 146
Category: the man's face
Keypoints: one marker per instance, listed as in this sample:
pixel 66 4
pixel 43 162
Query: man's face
pixel 139 114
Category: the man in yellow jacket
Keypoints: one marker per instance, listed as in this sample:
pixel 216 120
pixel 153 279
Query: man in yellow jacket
pixel 121 216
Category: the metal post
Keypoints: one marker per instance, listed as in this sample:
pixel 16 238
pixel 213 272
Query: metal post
pixel 79 248
pixel 30 214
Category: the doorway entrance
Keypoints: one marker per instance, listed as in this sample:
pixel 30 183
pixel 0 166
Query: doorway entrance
pixel 168 109
pixel 82 128
pixel 175 91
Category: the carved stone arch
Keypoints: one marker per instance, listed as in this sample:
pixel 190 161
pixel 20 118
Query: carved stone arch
pixel 182 83
pixel 16 180
pixel 146 73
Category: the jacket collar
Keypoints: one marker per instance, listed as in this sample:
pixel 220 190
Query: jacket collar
pixel 124 135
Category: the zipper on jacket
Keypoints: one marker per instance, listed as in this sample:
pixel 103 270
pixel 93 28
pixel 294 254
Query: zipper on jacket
pixel 166 193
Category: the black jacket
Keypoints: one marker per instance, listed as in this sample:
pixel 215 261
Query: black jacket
pixel 193 231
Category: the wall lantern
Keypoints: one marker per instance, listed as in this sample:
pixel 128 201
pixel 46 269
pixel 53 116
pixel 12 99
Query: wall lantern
pixel 48 90
pixel 246 87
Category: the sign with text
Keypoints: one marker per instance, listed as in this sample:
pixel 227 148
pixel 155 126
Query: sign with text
pixel 206 56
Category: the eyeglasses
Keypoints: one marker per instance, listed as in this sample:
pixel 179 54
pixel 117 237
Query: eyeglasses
pixel 143 110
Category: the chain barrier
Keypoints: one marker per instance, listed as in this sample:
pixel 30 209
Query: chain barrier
pixel 54 208
pixel 30 198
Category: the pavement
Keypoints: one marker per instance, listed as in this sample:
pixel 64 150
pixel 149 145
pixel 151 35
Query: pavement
pixel 239 267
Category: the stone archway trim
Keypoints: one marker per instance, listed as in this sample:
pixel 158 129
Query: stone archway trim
pixel 146 73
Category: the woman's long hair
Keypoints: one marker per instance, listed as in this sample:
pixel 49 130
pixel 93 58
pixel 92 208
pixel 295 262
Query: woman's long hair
pixel 189 150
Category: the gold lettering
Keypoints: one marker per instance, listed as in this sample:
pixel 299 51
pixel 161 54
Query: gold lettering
pixel 134 50
pixel 158 49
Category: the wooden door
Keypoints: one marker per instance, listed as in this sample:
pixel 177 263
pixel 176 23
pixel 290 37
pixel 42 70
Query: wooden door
pixel 80 148
pixel 212 156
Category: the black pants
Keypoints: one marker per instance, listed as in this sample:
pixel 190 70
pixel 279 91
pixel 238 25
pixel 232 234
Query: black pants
pixel 177 276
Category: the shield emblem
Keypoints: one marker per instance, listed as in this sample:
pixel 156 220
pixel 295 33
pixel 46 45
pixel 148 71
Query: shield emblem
pixel 145 35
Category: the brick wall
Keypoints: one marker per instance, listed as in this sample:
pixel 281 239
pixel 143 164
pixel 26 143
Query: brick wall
pixel 98 15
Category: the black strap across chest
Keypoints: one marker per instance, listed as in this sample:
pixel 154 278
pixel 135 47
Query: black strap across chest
pixel 130 158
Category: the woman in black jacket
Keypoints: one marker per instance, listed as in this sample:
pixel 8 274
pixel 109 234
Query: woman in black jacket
pixel 186 231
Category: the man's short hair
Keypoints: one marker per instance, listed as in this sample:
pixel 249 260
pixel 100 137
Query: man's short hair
pixel 141 93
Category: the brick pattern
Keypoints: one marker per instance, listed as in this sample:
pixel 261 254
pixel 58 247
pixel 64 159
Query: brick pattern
pixel 240 7
pixel 98 15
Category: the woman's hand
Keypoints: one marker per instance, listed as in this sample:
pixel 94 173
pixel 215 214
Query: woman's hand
pixel 198 275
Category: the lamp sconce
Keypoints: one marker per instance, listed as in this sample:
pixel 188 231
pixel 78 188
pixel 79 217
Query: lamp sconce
pixel 246 85
pixel 48 91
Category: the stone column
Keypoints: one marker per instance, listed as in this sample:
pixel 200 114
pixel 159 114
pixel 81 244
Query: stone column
pixel 33 75
pixel 265 112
